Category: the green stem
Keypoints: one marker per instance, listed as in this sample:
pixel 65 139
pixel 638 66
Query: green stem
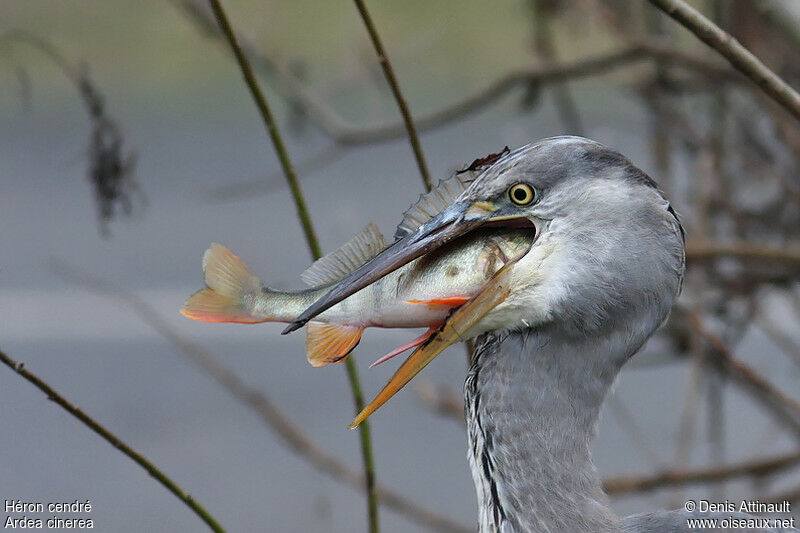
pixel 365 437
pixel 388 71
pixel 112 439
pixel 272 128
pixel 311 238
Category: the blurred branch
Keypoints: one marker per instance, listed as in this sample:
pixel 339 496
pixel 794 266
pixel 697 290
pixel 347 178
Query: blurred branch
pixel 273 417
pixel 639 437
pixel 313 244
pixel 545 49
pixel 345 133
pixel 699 251
pixel 783 407
pixel 388 71
pixel 791 495
pixel 271 127
pixel 440 400
pixel 786 343
pixel 677 478
pixel 112 439
pixel 246 189
pixel 733 51
pixel 110 168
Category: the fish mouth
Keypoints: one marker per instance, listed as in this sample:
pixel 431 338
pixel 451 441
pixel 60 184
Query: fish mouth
pixel 455 221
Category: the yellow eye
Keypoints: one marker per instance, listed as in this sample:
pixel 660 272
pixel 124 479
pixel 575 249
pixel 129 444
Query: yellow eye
pixel 522 194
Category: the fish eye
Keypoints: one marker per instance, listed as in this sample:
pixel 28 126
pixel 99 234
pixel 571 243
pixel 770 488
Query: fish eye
pixel 522 194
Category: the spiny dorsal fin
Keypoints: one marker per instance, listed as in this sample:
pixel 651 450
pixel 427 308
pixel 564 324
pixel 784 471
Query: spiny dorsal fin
pixel 336 265
pixel 432 203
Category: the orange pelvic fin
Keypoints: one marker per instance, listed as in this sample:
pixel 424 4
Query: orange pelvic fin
pixel 450 301
pixel 330 343
pixel 459 323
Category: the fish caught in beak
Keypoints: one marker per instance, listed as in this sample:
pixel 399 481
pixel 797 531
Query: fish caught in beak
pixel 459 323
pixel 454 221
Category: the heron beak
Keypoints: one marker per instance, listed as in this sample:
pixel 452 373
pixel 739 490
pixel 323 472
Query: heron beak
pixel 451 223
pixel 454 221
pixel 462 319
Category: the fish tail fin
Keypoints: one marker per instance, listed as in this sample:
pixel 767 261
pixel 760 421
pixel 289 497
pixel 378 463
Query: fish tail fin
pixel 230 293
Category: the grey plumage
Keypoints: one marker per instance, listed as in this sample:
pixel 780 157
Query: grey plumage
pixel 534 389
pixel 601 276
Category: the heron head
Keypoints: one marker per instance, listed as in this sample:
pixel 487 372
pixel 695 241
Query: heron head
pixel 609 248
pixel 608 252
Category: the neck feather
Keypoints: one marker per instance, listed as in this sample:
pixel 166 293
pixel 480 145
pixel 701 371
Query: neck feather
pixel 532 401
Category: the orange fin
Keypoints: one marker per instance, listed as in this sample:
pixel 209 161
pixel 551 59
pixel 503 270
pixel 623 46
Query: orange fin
pixel 209 305
pixel 230 286
pixel 330 343
pixel 451 301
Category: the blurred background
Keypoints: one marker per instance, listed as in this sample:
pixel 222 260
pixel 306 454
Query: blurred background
pixel 129 142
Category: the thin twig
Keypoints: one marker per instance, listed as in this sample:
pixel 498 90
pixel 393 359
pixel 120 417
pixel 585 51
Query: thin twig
pixel 627 420
pixel 441 400
pixel 273 417
pixel 739 56
pixel 416 147
pixel 783 407
pixel 792 495
pixel 388 71
pixel 782 340
pixel 545 48
pixel 743 250
pixel 112 439
pixel 247 189
pixel 271 127
pixel 678 478
pixel 110 165
pixel 345 133
pixel 687 430
pixel 313 244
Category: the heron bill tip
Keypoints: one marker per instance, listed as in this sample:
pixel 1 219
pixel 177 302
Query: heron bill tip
pixel 461 321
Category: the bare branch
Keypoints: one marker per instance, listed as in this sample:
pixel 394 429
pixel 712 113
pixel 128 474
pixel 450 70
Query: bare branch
pixel 739 56
pixel 273 417
pixel 677 478
pixel 441 400
pixel 783 407
pixel 110 166
pixel 246 189
pixel 544 47
pixel 260 99
pixel 784 341
pixel 112 439
pixel 272 128
pixel 347 134
pixel 388 71
pixel 743 250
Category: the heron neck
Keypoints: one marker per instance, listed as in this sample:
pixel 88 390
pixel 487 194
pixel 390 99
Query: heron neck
pixel 532 401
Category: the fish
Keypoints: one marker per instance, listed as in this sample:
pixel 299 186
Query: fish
pixel 422 293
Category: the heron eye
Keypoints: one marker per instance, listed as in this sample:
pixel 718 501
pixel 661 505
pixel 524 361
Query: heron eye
pixel 522 194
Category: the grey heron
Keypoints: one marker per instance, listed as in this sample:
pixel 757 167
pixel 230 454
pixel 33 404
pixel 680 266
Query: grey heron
pixel 601 276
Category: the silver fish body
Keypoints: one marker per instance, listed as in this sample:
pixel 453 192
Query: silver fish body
pixel 422 293
pixel 407 297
